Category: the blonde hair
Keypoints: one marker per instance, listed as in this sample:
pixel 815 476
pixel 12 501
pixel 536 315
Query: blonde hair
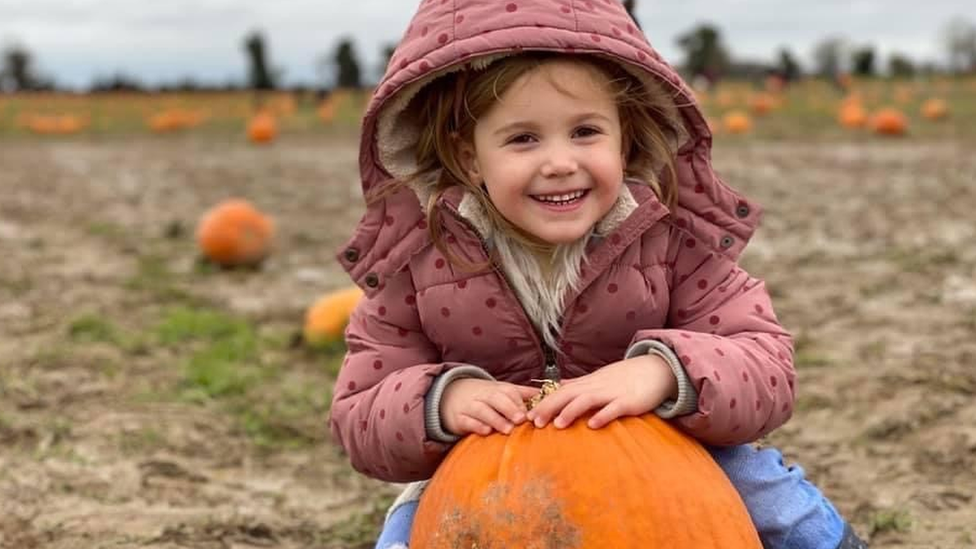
pixel 450 107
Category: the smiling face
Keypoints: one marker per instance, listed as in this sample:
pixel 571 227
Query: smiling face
pixel 549 151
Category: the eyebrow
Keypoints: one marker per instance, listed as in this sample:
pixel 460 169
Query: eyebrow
pixel 524 124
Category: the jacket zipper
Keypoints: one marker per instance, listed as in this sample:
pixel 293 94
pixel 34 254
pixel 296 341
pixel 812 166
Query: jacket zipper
pixel 551 368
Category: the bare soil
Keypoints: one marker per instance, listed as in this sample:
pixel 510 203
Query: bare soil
pixel 111 437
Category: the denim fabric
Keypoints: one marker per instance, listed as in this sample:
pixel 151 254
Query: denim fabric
pixel 789 512
pixel 396 531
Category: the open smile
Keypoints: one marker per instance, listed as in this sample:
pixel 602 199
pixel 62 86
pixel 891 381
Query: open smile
pixel 561 199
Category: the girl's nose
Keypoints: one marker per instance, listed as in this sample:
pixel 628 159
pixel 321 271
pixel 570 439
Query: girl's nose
pixel 559 164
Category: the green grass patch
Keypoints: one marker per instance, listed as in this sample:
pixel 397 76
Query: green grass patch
pixel 224 360
pixel 92 328
pixel 105 230
pixel 890 520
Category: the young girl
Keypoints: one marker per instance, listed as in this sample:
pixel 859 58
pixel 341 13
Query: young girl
pixel 541 204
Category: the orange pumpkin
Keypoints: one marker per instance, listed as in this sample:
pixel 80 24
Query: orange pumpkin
pixel 636 483
pixel 263 128
pixel 852 115
pixel 325 321
pixel 889 121
pixel 762 103
pixel 935 109
pixel 327 111
pixel 737 122
pixel 234 233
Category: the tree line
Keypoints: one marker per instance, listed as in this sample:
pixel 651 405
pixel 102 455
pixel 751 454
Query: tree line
pixel 706 55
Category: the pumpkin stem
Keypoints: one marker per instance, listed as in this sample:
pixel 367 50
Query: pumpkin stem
pixel 548 387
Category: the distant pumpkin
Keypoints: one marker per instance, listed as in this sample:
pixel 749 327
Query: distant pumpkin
pixel 737 122
pixel 327 111
pixel 852 115
pixel 890 122
pixel 762 103
pixel 234 233
pixel 326 319
pixel 263 128
pixel 935 109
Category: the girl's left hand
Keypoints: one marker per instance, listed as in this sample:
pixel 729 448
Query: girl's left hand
pixel 630 387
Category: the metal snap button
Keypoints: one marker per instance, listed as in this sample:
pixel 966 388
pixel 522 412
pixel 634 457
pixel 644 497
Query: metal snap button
pixel 727 242
pixel 352 255
pixel 372 280
pixel 743 210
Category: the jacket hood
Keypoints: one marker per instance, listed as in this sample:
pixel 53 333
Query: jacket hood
pixel 447 35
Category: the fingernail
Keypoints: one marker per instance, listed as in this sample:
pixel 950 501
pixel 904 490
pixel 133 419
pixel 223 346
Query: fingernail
pixel 519 417
pixel 507 429
pixel 539 423
pixel 559 423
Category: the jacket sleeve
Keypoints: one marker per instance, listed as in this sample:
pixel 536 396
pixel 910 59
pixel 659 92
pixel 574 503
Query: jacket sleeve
pixel 377 411
pixel 722 328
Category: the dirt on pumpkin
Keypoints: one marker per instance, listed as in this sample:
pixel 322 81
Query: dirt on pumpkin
pixel 149 400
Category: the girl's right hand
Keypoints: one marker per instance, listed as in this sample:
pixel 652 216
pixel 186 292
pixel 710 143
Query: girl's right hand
pixel 481 406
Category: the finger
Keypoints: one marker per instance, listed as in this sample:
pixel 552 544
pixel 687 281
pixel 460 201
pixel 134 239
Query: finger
pixel 468 424
pixel 525 392
pixel 486 413
pixel 574 409
pixel 551 405
pixel 508 404
pixel 605 415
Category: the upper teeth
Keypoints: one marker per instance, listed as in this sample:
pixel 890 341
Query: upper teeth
pixel 561 197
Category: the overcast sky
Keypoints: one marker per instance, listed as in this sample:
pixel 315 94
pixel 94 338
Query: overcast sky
pixel 163 40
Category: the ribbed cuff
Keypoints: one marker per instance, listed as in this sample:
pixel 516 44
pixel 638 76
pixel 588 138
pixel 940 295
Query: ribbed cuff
pixel 432 402
pixel 687 401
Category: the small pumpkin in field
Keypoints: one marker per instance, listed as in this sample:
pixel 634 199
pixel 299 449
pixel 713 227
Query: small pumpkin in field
pixel 935 109
pixel 235 234
pixel 889 121
pixel 327 111
pixel 326 319
pixel 263 128
pixel 762 103
pixel 636 483
pixel 737 122
pixel 852 115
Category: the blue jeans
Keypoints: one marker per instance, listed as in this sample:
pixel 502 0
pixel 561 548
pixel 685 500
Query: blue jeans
pixel 789 512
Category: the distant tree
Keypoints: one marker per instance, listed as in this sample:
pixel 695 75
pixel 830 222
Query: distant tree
pixel 787 66
pixel 17 73
pixel 862 61
pixel 386 53
pixel 630 5
pixel 705 54
pixel 900 66
pixel 260 77
pixel 118 82
pixel 959 38
pixel 347 65
pixel 828 56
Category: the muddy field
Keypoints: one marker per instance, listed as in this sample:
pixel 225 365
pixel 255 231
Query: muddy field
pixel 148 400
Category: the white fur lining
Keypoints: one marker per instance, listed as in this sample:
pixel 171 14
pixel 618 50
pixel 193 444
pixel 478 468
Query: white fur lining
pixel 543 295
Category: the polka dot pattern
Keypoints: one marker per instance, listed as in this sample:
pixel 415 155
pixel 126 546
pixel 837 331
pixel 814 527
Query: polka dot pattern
pixel 448 318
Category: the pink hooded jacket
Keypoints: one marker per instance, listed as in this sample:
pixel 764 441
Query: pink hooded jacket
pixel 657 275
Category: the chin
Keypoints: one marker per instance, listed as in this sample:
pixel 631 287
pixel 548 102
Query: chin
pixel 563 237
